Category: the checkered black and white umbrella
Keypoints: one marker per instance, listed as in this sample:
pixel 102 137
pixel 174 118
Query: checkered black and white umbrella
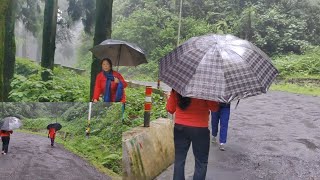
pixel 217 67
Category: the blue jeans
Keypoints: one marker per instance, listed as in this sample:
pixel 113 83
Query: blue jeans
pixel 223 116
pixel 200 139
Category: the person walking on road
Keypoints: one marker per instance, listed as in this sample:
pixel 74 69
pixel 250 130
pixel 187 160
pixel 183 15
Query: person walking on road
pixel 221 116
pixel 191 126
pixel 52 135
pixel 5 137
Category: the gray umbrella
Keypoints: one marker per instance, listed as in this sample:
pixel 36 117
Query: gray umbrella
pixel 217 67
pixel 10 123
pixel 121 53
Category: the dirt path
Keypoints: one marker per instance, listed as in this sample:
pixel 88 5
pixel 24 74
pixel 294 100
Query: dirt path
pixel 31 157
pixel 275 136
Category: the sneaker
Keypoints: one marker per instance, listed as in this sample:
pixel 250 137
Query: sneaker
pixel 4 153
pixel 214 139
pixel 221 147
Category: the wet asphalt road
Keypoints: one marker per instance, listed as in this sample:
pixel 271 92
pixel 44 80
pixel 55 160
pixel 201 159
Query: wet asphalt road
pixel 275 136
pixel 31 157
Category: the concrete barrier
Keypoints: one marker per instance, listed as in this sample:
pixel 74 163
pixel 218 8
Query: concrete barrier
pixel 147 151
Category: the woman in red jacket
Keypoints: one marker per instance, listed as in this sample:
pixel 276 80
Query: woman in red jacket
pixel 109 83
pixel 52 135
pixel 191 126
pixel 5 137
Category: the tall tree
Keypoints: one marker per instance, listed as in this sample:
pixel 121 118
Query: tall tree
pixel 102 32
pixel 10 48
pixel 49 37
pixel 3 10
pixel 247 22
pixel 7 46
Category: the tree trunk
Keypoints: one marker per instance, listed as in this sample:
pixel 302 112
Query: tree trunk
pixel 102 32
pixel 49 37
pixel 249 29
pixel 7 46
pixel 10 48
pixel 3 10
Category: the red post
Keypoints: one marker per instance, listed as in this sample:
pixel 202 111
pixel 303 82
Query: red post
pixel 147 106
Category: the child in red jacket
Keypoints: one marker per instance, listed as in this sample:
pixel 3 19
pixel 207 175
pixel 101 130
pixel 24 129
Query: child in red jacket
pixel 5 137
pixel 52 135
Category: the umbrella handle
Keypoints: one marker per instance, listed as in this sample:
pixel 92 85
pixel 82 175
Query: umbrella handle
pixel 237 104
pixel 119 56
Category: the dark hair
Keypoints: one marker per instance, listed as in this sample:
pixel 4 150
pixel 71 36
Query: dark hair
pixel 108 60
pixel 183 102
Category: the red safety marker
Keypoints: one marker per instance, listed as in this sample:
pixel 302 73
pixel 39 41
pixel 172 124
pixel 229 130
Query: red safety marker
pixel 147 106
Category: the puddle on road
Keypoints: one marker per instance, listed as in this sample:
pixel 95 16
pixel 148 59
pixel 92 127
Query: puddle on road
pixel 309 124
pixel 308 143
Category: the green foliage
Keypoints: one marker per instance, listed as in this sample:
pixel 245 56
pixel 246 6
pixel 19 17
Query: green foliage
pixel 143 27
pixel 159 106
pixel 66 85
pixel 110 162
pixel 306 89
pixel 134 113
pixel 155 30
pixel 303 65
pixel 35 125
pixel 144 72
pixel 26 68
pixel 24 110
pixel 196 27
pixel 277 32
pixel 75 112
pixel 277 27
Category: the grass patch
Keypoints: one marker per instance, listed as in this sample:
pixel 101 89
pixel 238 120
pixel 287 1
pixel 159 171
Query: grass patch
pixel 299 73
pixel 298 89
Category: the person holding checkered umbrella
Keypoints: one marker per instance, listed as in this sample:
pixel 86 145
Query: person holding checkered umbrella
pixel 218 68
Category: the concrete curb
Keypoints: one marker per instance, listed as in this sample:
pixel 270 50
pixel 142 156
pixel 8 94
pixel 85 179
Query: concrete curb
pixel 147 151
